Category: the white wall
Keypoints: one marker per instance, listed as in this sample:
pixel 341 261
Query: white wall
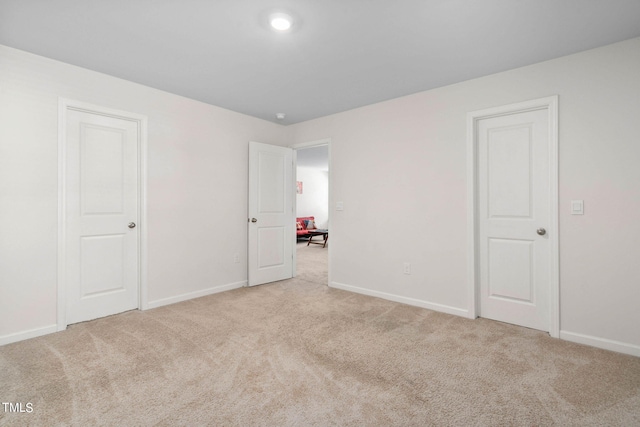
pixel 400 169
pixel 398 166
pixel 314 200
pixel 197 187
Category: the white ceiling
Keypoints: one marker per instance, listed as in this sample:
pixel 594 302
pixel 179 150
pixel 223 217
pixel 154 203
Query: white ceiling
pixel 341 54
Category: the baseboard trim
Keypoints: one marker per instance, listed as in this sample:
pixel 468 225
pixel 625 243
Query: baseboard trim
pixel 25 335
pixel 405 300
pixel 606 344
pixel 196 294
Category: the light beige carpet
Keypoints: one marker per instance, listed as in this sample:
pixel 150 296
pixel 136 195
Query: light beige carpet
pixel 312 263
pixel 300 353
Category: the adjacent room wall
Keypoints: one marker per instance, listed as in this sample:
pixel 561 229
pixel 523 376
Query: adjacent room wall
pixel 197 187
pixel 399 167
pixel 314 200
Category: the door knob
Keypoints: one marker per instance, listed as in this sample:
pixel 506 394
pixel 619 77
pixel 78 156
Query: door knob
pixel 541 231
pixel 254 220
pixel 132 225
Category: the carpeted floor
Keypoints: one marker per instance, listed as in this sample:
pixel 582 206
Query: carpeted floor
pixel 300 353
pixel 312 263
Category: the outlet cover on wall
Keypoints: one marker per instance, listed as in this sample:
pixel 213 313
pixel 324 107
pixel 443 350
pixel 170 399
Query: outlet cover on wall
pixel 577 207
pixel 236 258
pixel 406 268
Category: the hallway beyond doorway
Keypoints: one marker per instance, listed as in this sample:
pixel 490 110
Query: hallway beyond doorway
pixel 312 263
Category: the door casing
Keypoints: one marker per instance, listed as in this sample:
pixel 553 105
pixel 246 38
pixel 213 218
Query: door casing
pixel 64 105
pixel 550 104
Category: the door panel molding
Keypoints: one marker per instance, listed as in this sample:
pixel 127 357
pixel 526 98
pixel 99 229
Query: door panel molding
pixel 64 106
pixel 550 104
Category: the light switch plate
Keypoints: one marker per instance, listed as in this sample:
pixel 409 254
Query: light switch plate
pixel 339 206
pixel 577 207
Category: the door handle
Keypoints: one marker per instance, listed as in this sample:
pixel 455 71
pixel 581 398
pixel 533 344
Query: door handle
pixel 254 220
pixel 541 231
pixel 132 225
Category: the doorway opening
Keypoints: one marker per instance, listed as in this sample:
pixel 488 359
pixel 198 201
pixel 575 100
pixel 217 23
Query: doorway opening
pixel 311 252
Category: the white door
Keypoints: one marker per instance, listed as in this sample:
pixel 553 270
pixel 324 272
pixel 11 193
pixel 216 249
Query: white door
pixel 514 213
pixel 101 212
pixel 271 222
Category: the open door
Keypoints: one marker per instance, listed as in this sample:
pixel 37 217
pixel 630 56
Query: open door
pixel 271 221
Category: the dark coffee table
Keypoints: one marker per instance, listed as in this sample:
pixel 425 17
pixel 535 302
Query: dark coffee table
pixel 318 232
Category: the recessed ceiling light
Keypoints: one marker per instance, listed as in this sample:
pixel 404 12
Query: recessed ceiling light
pixel 280 21
pixel 280 116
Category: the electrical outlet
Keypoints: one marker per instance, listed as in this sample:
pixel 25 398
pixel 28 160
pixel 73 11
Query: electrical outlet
pixel 406 268
pixel 236 258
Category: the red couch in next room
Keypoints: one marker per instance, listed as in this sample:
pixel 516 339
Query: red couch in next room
pixel 301 225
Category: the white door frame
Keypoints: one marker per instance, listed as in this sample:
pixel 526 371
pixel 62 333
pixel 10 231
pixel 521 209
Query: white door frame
pixel 296 147
pixel 65 105
pixel 551 105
